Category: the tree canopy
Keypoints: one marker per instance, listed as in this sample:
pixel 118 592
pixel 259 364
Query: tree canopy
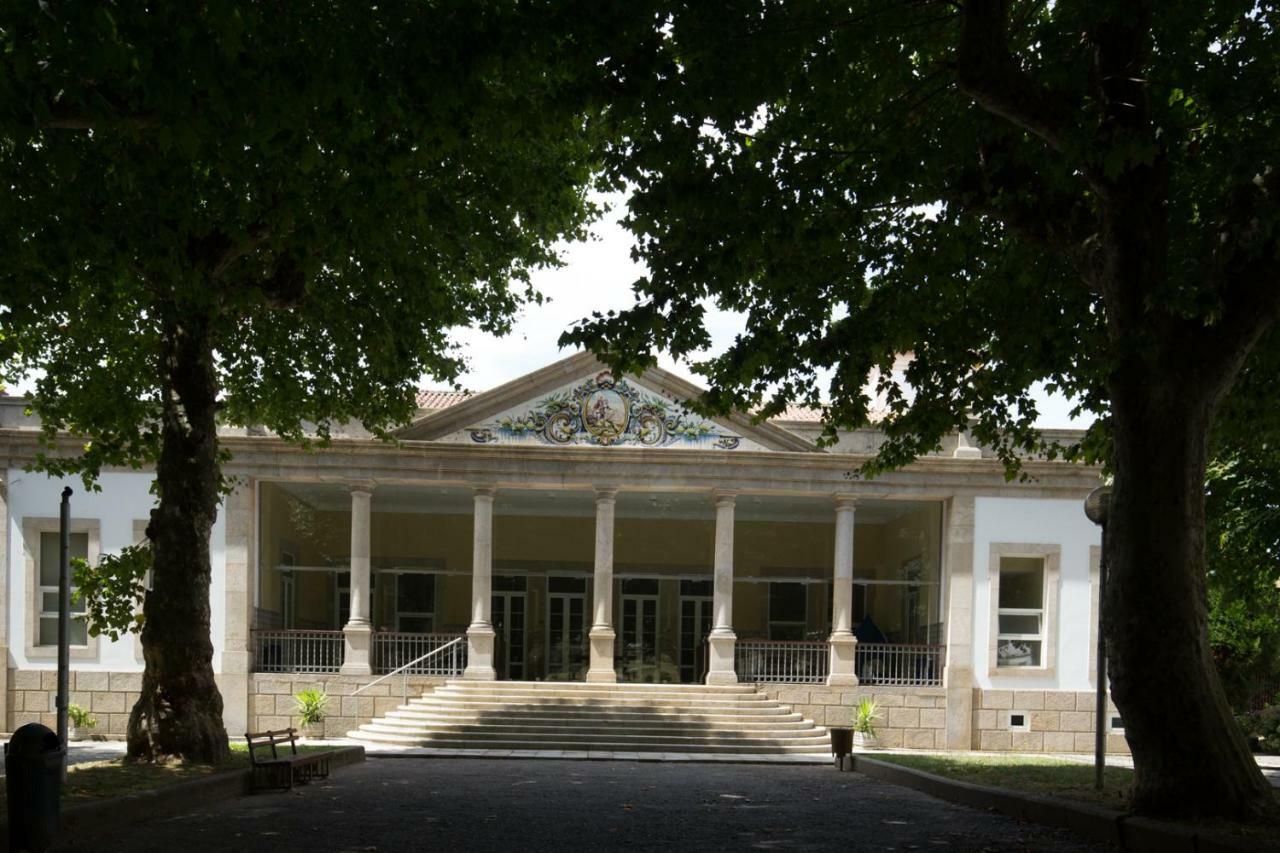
pixel 1080 194
pixel 273 214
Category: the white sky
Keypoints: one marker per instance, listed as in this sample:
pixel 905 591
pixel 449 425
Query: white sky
pixel 597 276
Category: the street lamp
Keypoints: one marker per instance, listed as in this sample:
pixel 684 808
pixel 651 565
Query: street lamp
pixel 1096 507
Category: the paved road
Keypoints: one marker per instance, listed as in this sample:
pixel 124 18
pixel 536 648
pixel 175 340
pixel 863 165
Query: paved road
pixel 403 804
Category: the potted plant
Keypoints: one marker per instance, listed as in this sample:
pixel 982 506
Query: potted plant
pixel 865 716
pixel 310 707
pixel 78 720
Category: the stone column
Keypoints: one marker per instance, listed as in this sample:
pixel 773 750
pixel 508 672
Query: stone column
pixel 843 644
pixel 722 638
pixel 233 678
pixel 958 676
pixel 5 722
pixel 602 633
pixel 358 632
pixel 480 633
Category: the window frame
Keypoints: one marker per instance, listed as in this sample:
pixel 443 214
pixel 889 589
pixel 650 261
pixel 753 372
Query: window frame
pixel 803 624
pixel 32 528
pixel 1051 557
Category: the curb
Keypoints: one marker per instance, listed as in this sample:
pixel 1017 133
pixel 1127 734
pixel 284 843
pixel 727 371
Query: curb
pixel 1096 823
pixel 84 822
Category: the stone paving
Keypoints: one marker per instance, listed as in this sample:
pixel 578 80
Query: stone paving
pixel 404 804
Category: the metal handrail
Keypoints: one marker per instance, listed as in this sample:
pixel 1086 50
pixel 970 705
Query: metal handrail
pixel 402 670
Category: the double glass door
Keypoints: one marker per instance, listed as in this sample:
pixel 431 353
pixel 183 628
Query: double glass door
pixel 638 646
pixel 695 625
pixel 508 615
pixel 566 628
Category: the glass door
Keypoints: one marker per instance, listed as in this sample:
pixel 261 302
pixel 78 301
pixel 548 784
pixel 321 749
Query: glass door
pixel 509 598
pixel 638 649
pixel 695 625
pixel 566 628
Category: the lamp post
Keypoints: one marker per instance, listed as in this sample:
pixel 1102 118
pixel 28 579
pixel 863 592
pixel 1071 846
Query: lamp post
pixel 1096 507
pixel 64 622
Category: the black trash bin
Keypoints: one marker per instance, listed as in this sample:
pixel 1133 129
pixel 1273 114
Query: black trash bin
pixel 33 770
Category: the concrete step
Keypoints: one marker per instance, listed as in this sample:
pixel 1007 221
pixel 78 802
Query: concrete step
pixel 515 717
pixel 564 716
pixel 631 688
pixel 685 706
pixel 396 726
pixel 819 747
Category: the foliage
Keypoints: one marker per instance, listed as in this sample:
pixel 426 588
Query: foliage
pixel 865 716
pixel 113 590
pixel 1264 724
pixel 80 718
pixel 331 226
pixel 967 202
pixel 1242 531
pixel 272 214
pixel 310 705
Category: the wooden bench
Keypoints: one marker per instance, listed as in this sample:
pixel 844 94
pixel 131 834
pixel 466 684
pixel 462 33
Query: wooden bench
pixel 281 771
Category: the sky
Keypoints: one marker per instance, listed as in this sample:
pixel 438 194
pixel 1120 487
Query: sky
pixel 596 276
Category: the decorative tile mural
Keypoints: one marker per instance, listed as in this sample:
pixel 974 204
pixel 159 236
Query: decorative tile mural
pixel 605 411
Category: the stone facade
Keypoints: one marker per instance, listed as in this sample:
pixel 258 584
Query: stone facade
pixel 108 696
pixel 272 706
pixel 1055 721
pixel 912 717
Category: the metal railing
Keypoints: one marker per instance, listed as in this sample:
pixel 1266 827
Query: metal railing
pixel 900 664
pixel 781 662
pixel 297 651
pixel 394 650
pixel 404 670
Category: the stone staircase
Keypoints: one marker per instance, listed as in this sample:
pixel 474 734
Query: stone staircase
pixel 533 715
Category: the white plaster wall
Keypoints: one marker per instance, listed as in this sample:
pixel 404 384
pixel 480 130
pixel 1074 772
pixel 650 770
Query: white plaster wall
pixel 123 499
pixel 1035 521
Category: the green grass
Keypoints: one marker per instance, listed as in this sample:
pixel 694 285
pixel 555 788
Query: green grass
pixel 1052 776
pixel 97 780
pixel 1057 778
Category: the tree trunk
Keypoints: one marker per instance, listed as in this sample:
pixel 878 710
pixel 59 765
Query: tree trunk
pixel 180 710
pixel 1190 756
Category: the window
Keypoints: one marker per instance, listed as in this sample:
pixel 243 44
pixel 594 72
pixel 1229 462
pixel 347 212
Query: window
pixel 47 593
pixel 787 610
pixel 1021 617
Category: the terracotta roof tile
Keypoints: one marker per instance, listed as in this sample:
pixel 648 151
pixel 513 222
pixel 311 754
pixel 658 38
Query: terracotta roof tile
pixel 440 398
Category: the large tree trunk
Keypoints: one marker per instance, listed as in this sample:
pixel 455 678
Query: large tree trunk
pixel 1190 756
pixel 180 710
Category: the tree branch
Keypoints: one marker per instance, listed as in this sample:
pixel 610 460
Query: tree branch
pixel 989 74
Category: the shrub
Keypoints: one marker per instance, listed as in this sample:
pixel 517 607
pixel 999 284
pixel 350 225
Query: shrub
pixel 865 716
pixel 1264 724
pixel 311 704
pixel 80 718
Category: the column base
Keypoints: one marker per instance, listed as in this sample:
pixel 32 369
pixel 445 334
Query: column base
pixel 480 654
pixel 357 649
pixel 602 669
pixel 840 673
pixel 720 647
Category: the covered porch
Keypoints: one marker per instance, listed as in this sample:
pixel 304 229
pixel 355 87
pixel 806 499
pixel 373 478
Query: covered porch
pixel 611 584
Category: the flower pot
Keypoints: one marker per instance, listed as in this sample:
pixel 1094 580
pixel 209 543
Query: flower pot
pixel 862 740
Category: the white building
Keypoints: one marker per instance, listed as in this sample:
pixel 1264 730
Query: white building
pixel 576 526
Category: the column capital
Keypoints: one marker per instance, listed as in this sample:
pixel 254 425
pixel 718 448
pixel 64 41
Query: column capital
pixel 484 492
pixel 361 486
pixel 606 493
pixel 724 497
pixel 845 501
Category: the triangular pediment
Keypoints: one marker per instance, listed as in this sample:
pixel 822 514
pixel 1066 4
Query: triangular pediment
pixel 578 401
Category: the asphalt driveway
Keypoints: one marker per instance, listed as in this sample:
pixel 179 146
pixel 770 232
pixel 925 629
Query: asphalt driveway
pixel 415 804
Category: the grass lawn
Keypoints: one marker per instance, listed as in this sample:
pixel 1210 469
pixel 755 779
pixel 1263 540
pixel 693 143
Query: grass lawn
pixel 115 778
pixel 1055 777
pixel 1052 776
